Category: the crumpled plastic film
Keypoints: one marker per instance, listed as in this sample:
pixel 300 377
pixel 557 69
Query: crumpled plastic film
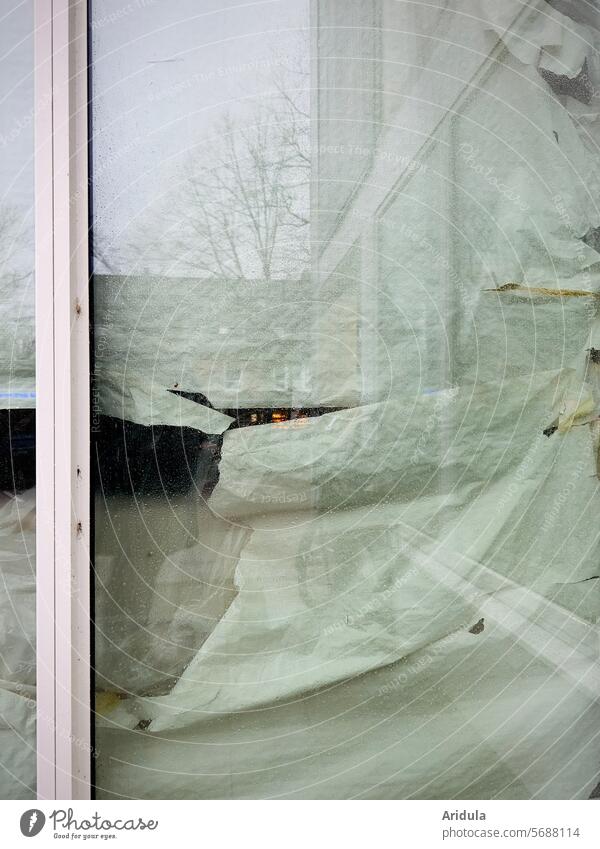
pixel 17 739
pixel 347 596
pixel 537 34
pixel 17 349
pixel 138 401
pixel 411 585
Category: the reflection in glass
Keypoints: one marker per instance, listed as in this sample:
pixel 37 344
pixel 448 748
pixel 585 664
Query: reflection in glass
pixel 17 407
pixel 346 399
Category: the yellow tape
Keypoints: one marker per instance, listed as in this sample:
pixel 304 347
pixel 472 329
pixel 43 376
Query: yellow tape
pixel 541 290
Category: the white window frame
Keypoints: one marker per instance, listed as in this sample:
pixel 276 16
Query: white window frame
pixel 63 541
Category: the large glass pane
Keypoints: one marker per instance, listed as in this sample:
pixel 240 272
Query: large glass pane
pixel 17 405
pixel 347 266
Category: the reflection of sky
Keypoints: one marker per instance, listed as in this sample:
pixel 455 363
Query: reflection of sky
pixel 16 117
pixel 163 72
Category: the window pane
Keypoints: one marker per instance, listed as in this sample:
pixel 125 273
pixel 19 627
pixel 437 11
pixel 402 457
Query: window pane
pixel 346 399
pixel 17 406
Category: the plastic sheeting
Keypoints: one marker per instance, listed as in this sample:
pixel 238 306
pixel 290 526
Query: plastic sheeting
pixel 164 578
pixel 399 599
pixel 503 218
pixel 239 343
pixel 17 646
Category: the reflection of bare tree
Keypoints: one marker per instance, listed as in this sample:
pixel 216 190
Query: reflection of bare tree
pixel 240 209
